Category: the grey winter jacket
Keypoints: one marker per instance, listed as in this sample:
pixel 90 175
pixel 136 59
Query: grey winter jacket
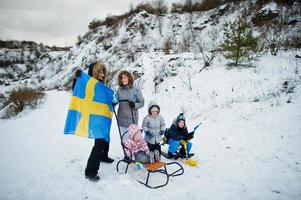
pixel 154 125
pixel 124 113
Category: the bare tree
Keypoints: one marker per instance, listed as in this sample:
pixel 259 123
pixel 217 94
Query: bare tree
pixel 274 37
pixel 188 76
pixel 160 7
pixel 208 49
pixel 167 46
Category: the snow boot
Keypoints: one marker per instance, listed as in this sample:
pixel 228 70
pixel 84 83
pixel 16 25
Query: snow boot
pixel 157 155
pixel 151 157
pixel 171 155
pixel 93 178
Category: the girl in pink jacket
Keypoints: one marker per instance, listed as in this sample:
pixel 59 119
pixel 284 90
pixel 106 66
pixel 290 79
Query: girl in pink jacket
pixel 135 145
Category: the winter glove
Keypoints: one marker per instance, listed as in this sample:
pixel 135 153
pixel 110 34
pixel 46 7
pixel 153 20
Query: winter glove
pixel 190 136
pixel 77 73
pixel 132 104
pixel 115 99
pixel 148 133
pixel 161 132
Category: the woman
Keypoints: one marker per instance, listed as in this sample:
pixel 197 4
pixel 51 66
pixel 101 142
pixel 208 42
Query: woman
pixel 100 149
pixel 130 100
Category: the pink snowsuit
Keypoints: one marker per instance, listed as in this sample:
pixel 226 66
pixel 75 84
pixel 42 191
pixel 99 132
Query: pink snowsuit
pixel 134 142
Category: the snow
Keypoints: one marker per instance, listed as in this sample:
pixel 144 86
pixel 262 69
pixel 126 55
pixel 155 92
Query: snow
pixel 248 146
pixel 271 7
pixel 245 149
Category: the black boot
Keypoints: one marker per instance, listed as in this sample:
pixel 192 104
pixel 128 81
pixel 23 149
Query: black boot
pixel 93 178
pixel 171 155
pixel 94 159
pixel 182 152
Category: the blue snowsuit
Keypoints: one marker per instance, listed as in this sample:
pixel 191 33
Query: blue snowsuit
pixel 176 134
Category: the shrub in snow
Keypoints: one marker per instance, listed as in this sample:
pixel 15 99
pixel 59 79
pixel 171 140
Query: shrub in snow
pixel 187 76
pixel 167 46
pixel 239 44
pixel 79 40
pixel 157 7
pixel 208 48
pixel 160 7
pixel 190 6
pixel 294 42
pixel 19 100
pixel 94 24
pixel 274 37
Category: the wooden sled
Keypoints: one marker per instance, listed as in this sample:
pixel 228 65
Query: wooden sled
pixel 157 167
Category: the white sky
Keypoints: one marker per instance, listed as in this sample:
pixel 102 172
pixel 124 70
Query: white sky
pixel 55 22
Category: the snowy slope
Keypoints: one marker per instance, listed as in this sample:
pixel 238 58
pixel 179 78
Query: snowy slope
pixel 246 149
pixel 248 146
pixel 249 151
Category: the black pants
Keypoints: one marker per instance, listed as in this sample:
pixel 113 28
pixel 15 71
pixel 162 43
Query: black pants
pixel 99 152
pixel 153 147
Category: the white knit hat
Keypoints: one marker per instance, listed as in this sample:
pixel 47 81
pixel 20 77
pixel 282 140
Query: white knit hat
pixel 154 108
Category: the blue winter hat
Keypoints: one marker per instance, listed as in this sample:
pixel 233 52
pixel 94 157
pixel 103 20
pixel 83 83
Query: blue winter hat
pixel 180 117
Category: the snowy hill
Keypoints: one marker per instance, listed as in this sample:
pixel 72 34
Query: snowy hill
pixel 248 146
pixel 245 151
pixel 122 44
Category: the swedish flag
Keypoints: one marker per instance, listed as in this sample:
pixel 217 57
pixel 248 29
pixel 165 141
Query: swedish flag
pixel 90 110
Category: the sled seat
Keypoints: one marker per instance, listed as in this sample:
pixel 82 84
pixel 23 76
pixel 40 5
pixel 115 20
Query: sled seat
pixel 154 166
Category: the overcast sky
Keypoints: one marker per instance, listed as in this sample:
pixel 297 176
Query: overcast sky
pixel 55 22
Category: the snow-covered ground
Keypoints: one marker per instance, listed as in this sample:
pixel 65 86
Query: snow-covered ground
pixel 245 150
pixel 248 146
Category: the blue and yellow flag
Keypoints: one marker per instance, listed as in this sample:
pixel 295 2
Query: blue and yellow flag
pixel 90 110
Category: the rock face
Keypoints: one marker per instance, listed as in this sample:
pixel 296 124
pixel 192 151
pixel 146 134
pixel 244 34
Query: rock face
pixel 123 44
pixel 266 14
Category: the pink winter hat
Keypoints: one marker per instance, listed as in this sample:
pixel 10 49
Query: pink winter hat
pixel 135 132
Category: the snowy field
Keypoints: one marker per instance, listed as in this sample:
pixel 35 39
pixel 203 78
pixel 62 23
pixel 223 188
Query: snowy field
pixel 245 151
pixel 248 146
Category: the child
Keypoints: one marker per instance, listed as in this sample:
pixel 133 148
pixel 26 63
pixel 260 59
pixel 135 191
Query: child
pixel 177 132
pixel 154 126
pixel 135 147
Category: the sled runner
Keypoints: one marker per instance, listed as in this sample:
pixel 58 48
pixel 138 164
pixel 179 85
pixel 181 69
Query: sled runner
pixel 176 156
pixel 157 167
pixel 167 170
pixel 186 159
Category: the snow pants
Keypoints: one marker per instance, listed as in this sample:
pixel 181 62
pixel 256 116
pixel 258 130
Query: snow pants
pixel 175 144
pixel 99 152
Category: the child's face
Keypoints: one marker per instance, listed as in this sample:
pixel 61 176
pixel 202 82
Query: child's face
pixel 138 136
pixel 154 113
pixel 98 73
pixel 124 79
pixel 181 124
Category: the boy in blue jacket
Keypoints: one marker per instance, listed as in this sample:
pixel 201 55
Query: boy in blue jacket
pixel 177 132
